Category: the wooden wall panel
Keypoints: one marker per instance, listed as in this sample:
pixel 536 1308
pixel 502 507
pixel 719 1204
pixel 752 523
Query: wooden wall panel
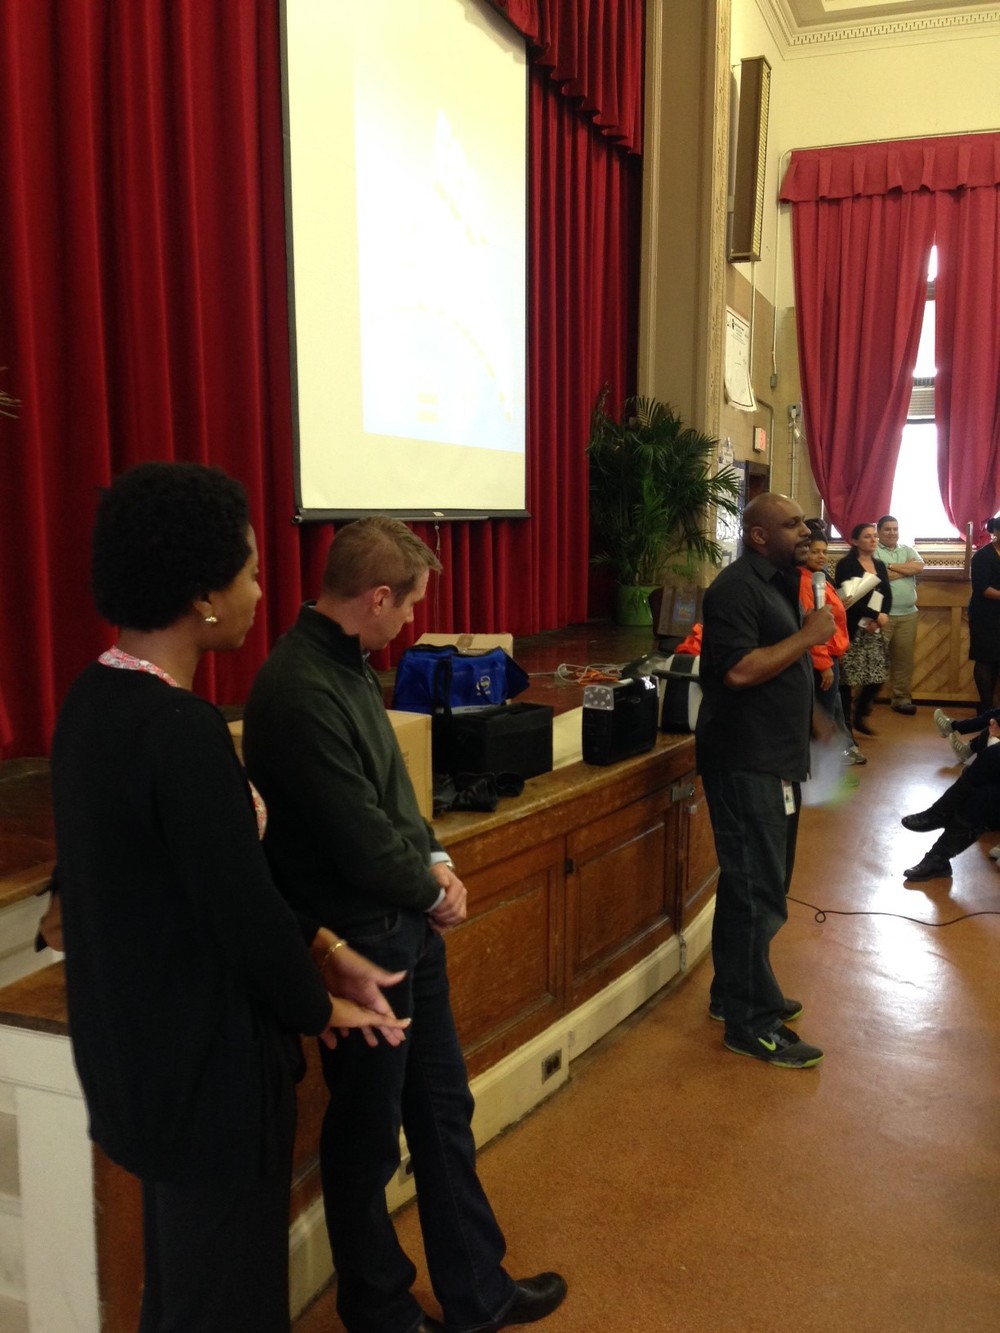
pixel 619 884
pixel 699 868
pixel 942 670
pixel 503 960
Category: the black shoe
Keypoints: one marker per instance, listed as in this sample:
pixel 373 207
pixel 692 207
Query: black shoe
pixel 779 1047
pixel 931 867
pixel 908 709
pixel 791 1011
pixel 922 822
pixel 861 725
pixel 536 1297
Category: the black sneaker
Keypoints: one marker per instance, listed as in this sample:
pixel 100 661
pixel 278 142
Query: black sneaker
pixel 779 1047
pixel 791 1011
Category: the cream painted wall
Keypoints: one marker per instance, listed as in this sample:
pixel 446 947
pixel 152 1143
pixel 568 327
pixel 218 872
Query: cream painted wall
pixel 837 93
pixel 842 92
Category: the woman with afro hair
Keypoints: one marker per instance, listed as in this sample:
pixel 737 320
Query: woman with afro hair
pixel 187 975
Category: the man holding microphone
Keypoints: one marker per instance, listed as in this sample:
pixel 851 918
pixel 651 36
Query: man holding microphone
pixel 752 742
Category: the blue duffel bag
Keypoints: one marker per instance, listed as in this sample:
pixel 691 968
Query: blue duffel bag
pixel 440 679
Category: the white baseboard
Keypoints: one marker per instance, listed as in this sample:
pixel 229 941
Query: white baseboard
pixel 515 1086
pixel 696 939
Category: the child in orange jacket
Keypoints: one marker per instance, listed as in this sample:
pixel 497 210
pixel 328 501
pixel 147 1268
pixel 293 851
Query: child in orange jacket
pixel 826 656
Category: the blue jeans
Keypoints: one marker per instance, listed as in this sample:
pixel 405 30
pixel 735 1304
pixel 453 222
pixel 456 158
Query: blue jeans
pixel 831 702
pixel 755 844
pixel 423 1085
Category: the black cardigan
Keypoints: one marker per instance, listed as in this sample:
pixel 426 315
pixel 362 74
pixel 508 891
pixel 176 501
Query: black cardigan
pixel 849 567
pixel 185 969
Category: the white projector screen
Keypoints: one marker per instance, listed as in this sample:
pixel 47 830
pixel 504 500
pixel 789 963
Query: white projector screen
pixel 405 170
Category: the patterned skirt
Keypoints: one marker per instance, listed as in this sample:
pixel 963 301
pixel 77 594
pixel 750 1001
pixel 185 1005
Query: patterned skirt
pixel 866 662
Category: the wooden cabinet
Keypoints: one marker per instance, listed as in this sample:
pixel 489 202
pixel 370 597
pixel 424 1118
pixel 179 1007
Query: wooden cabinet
pixel 570 885
pixel 620 901
pixel 696 864
pixel 505 961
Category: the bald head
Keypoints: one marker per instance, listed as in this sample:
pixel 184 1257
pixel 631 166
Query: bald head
pixel 774 527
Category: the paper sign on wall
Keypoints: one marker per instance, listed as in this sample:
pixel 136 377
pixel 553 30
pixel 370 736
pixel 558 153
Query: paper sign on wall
pixel 739 390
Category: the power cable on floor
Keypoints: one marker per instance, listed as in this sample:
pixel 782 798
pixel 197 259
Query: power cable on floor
pixel 823 912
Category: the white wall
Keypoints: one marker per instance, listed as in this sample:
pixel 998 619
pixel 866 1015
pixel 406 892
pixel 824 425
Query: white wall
pixel 844 92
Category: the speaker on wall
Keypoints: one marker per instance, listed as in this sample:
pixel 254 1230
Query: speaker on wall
pixel 751 160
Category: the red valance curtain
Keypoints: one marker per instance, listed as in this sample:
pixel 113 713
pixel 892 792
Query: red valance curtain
pixel 864 218
pixel 142 284
pixel 594 52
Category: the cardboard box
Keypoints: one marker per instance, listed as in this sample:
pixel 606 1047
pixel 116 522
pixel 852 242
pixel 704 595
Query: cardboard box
pixel 413 732
pixel 470 644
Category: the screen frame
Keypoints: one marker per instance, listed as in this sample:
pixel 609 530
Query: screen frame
pixel 302 513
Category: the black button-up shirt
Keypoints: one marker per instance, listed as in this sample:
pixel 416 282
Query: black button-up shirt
pixel 765 728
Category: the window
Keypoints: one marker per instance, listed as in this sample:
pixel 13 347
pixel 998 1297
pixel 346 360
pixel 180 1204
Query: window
pixel 916 495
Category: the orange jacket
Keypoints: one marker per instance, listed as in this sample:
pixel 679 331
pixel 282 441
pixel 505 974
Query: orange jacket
pixel 692 644
pixel 824 653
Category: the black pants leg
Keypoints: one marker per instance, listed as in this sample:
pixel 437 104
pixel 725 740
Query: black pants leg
pixel 217 1256
pixel 985 676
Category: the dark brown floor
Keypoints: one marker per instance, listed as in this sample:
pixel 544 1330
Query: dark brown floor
pixel 680 1187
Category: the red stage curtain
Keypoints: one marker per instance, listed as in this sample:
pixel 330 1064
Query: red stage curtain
pixel 143 289
pixel 142 280
pixel 967 328
pixel 594 51
pixel 864 218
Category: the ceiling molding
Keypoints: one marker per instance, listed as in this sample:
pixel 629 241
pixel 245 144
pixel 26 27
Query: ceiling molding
pixel 802 28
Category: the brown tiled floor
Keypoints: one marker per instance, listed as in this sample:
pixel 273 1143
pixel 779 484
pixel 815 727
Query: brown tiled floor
pixel 680 1187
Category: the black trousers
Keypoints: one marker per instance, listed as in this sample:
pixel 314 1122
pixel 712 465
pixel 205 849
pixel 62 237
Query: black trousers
pixel 217 1255
pixel 755 842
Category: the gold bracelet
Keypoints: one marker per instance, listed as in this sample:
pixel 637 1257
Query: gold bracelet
pixel 337 944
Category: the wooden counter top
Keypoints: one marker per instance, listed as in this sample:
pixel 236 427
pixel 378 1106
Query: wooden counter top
pixel 27 836
pixel 38 1002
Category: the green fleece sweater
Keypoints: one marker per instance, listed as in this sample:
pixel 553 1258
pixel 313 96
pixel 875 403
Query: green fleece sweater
pixel 345 838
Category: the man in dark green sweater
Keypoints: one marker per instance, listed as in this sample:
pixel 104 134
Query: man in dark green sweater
pixel 346 841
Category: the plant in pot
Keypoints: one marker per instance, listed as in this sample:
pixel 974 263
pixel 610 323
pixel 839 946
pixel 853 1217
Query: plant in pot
pixel 651 489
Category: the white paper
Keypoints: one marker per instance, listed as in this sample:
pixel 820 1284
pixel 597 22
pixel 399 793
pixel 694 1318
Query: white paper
pixel 739 390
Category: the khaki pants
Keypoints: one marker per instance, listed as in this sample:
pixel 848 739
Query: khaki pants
pixel 900 635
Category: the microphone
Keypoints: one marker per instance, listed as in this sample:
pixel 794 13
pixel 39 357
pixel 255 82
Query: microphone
pixel 819 588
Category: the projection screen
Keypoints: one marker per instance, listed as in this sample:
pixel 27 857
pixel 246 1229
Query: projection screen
pixel 405 186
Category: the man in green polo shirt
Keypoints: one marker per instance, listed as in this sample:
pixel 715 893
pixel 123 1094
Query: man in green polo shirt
pixel 900 633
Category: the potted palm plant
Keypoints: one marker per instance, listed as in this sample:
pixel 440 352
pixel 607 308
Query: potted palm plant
pixel 652 486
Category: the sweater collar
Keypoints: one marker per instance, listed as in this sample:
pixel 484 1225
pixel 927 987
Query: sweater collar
pixel 328 635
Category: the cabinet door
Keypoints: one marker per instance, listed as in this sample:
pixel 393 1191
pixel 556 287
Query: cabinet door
pixel 697 867
pixel 620 895
pixel 506 982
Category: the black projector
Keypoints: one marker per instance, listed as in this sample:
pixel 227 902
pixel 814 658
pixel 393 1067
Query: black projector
pixel 619 720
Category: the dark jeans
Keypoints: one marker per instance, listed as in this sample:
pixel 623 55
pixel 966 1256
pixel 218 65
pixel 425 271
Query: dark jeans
pixel 755 844
pixel 217 1255
pixel 423 1085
